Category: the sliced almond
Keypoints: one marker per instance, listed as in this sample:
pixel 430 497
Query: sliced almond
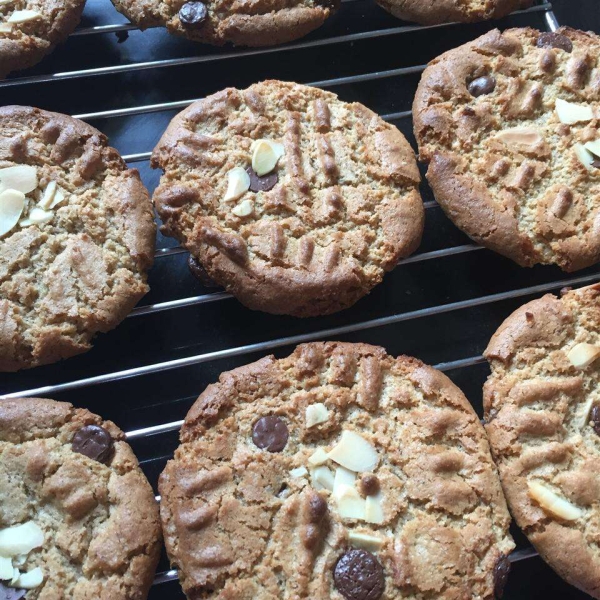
pixel 315 414
pixel 38 216
pixel 319 457
pixel 374 509
pixel 243 209
pixel 350 504
pixel 22 16
pixel 48 196
pixel 6 568
pixel 584 416
pixel 22 178
pixel 265 155
pixel 570 113
pixel 343 479
pixel 31 579
pixel 299 472
pixel 15 577
pixel 593 147
pixel 552 503
pixel 238 183
pixel 322 478
pixel 59 198
pixel 354 453
pixel 583 355
pixel 365 541
pixel 585 157
pixel 520 137
pixel 6 27
pixel 12 204
pixel 20 539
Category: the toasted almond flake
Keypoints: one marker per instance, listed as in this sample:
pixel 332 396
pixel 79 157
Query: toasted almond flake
pixel 15 577
pixel 6 568
pixel 354 453
pixel 22 16
pixel 520 137
pixel 570 113
pixel 12 204
pixel 6 27
pixel 265 155
pixel 319 457
pixel 38 216
pixel 343 479
pixel 322 478
pixel 316 414
pixel 593 147
pixel 374 509
pixel 243 209
pixel 238 183
pixel 59 198
pixel 552 503
pixel 22 178
pixel 31 579
pixel 299 472
pixel 350 504
pixel 583 355
pixel 48 196
pixel 365 541
pixel 585 412
pixel 585 157
pixel 20 539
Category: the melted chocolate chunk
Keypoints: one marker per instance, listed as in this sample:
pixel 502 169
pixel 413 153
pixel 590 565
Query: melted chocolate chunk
pixel 94 442
pixel 8 593
pixel 262 184
pixel 555 40
pixel 270 433
pixel 501 575
pixel 200 273
pixel 595 418
pixel 482 86
pixel 193 13
pixel 359 576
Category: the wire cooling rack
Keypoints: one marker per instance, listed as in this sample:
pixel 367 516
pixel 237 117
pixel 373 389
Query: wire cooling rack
pixel 441 304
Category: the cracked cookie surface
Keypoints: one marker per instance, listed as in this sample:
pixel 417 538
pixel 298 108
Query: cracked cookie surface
pixel 341 208
pixel 540 411
pixel 80 273
pixel 249 510
pixel 430 12
pixel 99 520
pixel 244 23
pixel 30 29
pixel 505 166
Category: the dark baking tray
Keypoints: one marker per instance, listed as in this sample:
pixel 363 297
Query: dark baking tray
pixel 442 305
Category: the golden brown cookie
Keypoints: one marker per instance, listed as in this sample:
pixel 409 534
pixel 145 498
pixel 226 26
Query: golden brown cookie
pixel 294 201
pixel 542 408
pixel 336 473
pixel 448 11
pixel 30 29
pixel 261 23
pixel 76 237
pixel 78 519
pixel 509 125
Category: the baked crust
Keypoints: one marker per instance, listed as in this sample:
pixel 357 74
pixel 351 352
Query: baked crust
pixel 64 281
pixel 235 518
pixel 345 210
pixel 100 521
pixel 261 23
pixel 27 43
pixel 534 203
pixel 537 408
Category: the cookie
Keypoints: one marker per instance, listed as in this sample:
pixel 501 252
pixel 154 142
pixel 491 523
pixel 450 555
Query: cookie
pixel 216 23
pixel 448 11
pixel 30 29
pixel 509 125
pixel 336 473
pixel 294 201
pixel 76 237
pixel 78 519
pixel 543 420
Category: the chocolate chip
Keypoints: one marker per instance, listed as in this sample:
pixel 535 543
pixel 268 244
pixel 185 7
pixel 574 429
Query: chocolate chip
pixel 482 86
pixel 369 485
pixel 501 575
pixel 595 418
pixel 555 40
pixel 529 316
pixel 359 576
pixel 193 13
pixel 270 433
pixel 596 163
pixel 262 184
pixel 94 442
pixel 8 593
pixel 317 507
pixel 200 273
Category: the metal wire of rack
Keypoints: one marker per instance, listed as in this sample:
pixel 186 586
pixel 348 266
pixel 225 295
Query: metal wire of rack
pixel 151 422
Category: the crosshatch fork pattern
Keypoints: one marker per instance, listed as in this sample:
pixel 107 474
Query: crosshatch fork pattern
pixel 157 426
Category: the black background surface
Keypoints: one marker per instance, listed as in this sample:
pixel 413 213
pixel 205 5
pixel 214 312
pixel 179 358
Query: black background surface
pixel 411 296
